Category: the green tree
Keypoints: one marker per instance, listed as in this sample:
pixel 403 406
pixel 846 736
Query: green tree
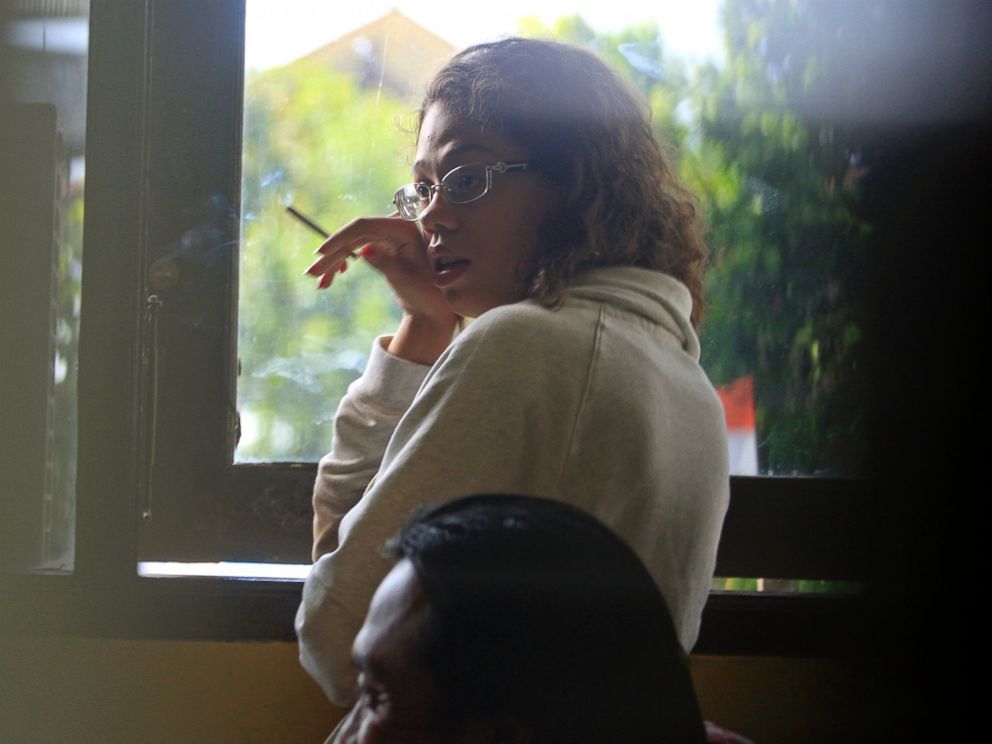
pixel 315 140
pixel 778 181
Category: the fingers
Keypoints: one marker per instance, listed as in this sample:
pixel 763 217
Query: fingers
pixel 333 253
pixel 326 274
pixel 375 238
pixel 389 232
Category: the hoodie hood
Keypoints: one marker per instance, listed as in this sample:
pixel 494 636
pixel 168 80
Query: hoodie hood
pixel 656 297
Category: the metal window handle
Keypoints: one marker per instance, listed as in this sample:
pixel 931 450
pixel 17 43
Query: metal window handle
pixel 150 357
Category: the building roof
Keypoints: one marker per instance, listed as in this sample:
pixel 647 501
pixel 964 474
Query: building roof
pixel 391 51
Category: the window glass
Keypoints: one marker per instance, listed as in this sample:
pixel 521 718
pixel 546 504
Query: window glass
pixel 329 98
pixel 779 586
pixel 43 58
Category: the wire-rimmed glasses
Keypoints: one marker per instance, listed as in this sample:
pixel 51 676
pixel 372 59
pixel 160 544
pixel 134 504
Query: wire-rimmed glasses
pixel 462 185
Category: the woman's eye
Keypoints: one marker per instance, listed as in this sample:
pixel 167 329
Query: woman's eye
pixel 463 182
pixel 469 185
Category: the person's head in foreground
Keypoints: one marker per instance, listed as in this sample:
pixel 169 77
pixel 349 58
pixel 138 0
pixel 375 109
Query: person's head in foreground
pixel 517 619
pixel 549 166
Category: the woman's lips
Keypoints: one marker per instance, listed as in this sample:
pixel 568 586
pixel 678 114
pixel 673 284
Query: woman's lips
pixel 447 270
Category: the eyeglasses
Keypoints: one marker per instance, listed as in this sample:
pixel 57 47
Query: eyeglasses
pixel 465 184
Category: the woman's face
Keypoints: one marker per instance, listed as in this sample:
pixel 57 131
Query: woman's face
pixel 481 253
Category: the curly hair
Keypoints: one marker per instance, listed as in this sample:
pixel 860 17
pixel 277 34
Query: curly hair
pixel 589 133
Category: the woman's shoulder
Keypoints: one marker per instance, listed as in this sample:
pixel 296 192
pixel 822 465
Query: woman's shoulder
pixel 520 338
pixel 523 323
pixel 517 315
pixel 517 350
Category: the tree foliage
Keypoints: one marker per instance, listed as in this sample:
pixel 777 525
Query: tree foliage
pixel 315 140
pixel 778 180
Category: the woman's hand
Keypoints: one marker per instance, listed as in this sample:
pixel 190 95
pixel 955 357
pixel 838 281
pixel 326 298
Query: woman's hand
pixel 396 248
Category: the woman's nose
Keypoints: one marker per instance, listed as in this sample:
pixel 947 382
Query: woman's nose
pixel 439 213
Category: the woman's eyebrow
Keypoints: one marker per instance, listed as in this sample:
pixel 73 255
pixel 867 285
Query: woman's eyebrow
pixel 459 149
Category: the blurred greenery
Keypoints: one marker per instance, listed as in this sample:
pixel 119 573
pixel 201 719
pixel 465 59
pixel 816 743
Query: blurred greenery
pixel 776 179
pixel 778 183
pixel 807 586
pixel 60 536
pixel 315 140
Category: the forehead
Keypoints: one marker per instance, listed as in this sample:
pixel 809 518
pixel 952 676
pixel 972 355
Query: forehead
pixel 445 135
pixel 387 640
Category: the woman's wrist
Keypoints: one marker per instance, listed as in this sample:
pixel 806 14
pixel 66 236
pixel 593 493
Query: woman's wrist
pixel 422 339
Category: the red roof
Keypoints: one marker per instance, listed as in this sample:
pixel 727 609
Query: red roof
pixel 738 403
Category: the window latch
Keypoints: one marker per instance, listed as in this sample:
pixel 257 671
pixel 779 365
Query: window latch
pixel 153 304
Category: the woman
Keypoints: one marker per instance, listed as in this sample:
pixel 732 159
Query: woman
pixel 543 208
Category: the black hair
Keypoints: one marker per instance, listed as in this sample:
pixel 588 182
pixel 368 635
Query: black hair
pixel 541 616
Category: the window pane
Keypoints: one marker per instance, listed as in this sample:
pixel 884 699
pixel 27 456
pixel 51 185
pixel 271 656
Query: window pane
pixel 790 586
pixel 328 101
pixel 43 56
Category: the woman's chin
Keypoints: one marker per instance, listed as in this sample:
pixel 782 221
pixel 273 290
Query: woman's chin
pixel 462 303
pixel 469 305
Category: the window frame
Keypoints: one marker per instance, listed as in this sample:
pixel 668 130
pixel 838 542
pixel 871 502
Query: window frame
pixel 781 527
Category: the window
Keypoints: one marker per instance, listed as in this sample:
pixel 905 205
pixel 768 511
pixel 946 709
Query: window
pixel 42 145
pixel 327 131
pixel 158 368
pixel 297 350
pixel 329 105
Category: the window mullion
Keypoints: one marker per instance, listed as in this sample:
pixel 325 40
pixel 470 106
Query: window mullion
pixel 194 97
pixel 106 538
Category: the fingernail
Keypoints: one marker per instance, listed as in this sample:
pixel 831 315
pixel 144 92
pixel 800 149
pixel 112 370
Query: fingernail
pixel 369 252
pixel 311 270
pixel 325 281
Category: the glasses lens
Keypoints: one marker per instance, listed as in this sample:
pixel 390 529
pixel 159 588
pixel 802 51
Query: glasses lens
pixel 410 200
pixel 465 184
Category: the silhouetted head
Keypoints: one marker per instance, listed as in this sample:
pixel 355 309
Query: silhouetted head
pixel 520 619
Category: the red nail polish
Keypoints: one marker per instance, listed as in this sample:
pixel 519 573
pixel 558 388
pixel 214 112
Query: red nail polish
pixel 369 251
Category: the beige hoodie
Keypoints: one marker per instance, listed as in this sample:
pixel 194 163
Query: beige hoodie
pixel 601 403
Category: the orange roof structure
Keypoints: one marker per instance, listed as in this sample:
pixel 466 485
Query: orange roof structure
pixel 738 403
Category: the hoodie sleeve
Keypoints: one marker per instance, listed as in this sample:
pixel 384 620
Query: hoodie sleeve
pixel 482 422
pixel 364 422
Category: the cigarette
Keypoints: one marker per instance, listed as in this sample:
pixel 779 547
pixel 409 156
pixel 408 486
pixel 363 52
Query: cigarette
pixel 308 222
pixel 293 211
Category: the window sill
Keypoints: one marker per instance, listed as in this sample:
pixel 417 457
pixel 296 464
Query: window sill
pixel 212 609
